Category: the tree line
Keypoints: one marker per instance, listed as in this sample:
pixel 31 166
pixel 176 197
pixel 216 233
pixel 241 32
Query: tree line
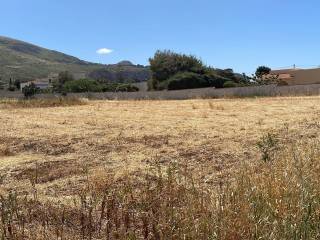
pixel 174 71
pixel 169 71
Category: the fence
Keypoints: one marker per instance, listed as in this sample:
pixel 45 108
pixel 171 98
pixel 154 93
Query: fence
pixel 268 90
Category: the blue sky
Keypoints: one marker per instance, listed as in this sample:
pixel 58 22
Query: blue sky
pixel 238 34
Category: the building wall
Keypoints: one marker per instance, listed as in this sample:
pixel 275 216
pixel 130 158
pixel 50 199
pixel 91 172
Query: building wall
pixel 301 76
pixel 308 76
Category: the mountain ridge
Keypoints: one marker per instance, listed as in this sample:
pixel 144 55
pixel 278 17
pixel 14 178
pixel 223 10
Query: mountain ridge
pixel 26 61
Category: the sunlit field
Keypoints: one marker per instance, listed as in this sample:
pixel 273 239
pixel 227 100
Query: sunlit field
pixel 195 169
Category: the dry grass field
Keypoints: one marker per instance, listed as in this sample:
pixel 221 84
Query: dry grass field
pixel 160 169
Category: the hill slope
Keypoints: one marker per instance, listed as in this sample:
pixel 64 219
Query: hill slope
pixel 25 61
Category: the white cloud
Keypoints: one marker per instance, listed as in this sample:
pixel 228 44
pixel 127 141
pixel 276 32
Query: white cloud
pixel 104 51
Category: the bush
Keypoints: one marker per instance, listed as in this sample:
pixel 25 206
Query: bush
pixel 215 80
pixel 126 88
pixel 30 90
pixel 11 88
pixel 17 84
pixel 268 145
pixel 63 78
pixel 82 85
pixel 229 84
pixel 119 87
pixel 187 80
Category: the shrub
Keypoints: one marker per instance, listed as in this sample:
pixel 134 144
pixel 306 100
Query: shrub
pixel 119 87
pixel 229 84
pixel 17 84
pixel 150 85
pixel 268 145
pixel 63 78
pixel 30 90
pixel 11 88
pixel 215 80
pixel 126 88
pixel 187 80
pixel 82 85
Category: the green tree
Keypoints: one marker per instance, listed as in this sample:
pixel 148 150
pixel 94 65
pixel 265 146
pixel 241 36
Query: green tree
pixel 125 87
pixel 17 84
pixel 187 80
pixel 63 78
pixel 30 90
pixel 262 70
pixel 11 86
pixel 166 64
pixel 82 85
pixel 263 76
pixel 229 84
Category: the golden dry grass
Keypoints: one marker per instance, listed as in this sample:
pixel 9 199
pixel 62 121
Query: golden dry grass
pixel 118 136
pixel 54 152
pixel 41 103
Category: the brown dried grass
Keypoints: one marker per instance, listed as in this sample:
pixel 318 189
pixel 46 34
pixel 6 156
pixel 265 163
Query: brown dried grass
pixel 161 170
pixel 42 103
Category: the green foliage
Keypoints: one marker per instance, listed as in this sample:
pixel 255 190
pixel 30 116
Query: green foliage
pixel 150 85
pixel 166 64
pixel 11 88
pixel 89 85
pixel 82 85
pixel 262 70
pixel 187 80
pixel 262 76
pixel 214 79
pixel 119 87
pixel 174 71
pixel 30 90
pixel 229 84
pixel 17 84
pixel 46 90
pixel 63 78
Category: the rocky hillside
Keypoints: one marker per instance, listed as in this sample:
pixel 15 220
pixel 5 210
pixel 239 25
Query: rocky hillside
pixel 25 61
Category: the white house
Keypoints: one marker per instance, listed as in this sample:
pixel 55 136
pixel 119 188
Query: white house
pixel 41 84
